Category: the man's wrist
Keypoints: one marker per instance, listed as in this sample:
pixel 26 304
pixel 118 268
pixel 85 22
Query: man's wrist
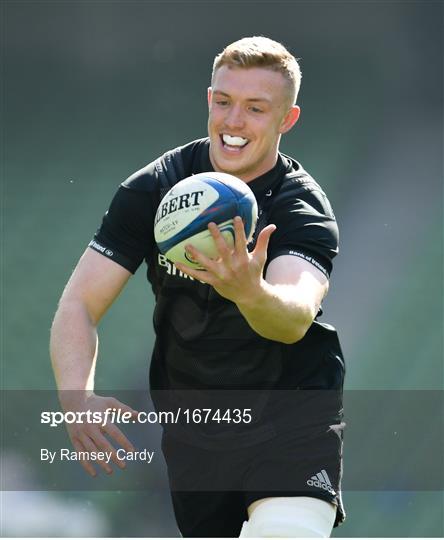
pixel 255 297
pixel 74 399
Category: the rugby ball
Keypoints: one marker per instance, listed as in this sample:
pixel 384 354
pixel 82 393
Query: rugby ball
pixel 186 210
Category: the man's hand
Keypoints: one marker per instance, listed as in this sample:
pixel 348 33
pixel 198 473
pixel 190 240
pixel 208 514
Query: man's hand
pixel 281 306
pixel 94 437
pixel 236 274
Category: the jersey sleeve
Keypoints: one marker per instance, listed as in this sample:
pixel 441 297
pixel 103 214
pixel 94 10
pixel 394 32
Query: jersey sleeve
pixel 306 228
pixel 126 234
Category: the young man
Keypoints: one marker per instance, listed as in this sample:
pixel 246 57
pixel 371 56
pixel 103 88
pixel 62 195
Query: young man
pixel 247 321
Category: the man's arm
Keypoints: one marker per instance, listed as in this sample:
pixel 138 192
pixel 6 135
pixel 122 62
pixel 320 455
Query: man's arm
pixel 280 307
pixel 94 285
pixel 287 300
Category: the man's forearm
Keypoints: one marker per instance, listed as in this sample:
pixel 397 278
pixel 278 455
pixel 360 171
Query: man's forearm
pixel 278 312
pixel 73 347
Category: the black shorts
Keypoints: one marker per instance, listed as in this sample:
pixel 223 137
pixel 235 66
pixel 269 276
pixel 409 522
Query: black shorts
pixel 211 490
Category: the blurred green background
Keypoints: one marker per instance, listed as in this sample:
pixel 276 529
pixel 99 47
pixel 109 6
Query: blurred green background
pixel 94 90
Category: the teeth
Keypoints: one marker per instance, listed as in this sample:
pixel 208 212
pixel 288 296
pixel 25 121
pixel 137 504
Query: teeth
pixel 234 141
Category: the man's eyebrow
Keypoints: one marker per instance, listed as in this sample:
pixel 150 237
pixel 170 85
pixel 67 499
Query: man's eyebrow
pixel 221 93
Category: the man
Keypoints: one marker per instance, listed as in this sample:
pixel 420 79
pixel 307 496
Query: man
pixel 247 321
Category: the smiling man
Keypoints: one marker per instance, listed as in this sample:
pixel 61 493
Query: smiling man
pixel 249 110
pixel 248 321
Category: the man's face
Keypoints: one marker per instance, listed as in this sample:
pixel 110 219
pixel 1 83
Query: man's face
pixel 249 110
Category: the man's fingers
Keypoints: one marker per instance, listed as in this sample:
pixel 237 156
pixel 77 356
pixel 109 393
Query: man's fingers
pixel 201 275
pixel 199 257
pixel 262 240
pixel 115 433
pixel 104 445
pixel 87 465
pixel 222 247
pixel 90 438
pixel 240 240
pixel 91 447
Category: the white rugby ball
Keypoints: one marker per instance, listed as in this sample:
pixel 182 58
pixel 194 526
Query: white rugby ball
pixel 186 210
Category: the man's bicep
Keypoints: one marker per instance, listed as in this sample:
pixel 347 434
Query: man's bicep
pixel 96 282
pixel 126 234
pixel 311 283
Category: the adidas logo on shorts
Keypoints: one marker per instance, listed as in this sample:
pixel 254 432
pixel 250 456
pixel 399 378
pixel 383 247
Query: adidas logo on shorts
pixel 321 480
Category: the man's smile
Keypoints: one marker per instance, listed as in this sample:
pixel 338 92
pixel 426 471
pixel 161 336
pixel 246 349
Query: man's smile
pixel 233 144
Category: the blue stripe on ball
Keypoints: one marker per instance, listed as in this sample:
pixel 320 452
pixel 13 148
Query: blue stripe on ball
pixel 245 213
pixel 225 208
pixel 231 202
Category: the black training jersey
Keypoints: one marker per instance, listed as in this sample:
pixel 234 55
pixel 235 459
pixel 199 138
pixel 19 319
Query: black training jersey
pixel 202 340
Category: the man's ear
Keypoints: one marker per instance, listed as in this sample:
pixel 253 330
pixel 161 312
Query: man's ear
pixel 209 94
pixel 290 119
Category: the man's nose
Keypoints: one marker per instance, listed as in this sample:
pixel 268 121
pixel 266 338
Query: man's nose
pixel 235 117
